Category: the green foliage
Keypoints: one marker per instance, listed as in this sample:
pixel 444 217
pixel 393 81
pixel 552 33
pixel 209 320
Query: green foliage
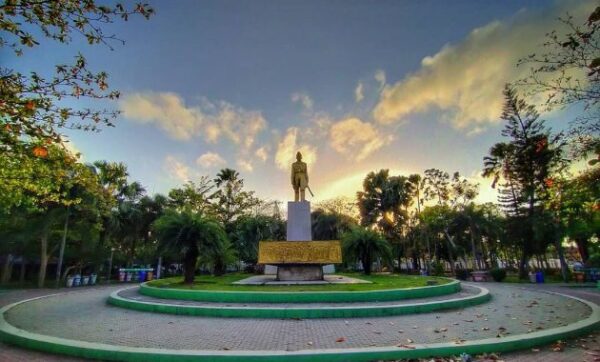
pixel 593 261
pixel 330 225
pixel 231 201
pixel 383 200
pixel 526 164
pixel 195 196
pixel 498 274
pixel 31 110
pixel 192 234
pixel 249 230
pixel 366 246
pixel 437 268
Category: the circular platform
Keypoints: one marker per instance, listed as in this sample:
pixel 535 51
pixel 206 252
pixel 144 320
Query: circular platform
pixel 131 299
pixel 82 324
pixel 299 297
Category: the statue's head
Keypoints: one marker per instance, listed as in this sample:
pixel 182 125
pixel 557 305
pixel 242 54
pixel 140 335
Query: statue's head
pixel 299 156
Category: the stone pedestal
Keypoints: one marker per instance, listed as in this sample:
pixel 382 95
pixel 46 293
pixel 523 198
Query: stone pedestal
pixel 299 228
pixel 298 222
pixel 299 272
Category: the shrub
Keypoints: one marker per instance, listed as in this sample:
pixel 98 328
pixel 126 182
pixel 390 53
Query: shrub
pixel 437 268
pixel 462 274
pixel 593 261
pixel 498 274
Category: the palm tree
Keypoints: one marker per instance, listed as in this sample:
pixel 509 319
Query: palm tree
pixel 190 234
pixel 229 176
pixel 365 245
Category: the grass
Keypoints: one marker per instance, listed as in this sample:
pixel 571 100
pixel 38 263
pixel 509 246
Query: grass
pixel 378 282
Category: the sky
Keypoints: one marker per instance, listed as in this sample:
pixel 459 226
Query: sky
pixel 356 86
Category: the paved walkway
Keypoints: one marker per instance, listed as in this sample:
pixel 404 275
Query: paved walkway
pixel 516 308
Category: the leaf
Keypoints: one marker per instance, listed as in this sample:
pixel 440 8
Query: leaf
pixel 341 339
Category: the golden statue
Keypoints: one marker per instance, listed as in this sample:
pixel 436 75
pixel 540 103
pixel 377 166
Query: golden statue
pixel 299 178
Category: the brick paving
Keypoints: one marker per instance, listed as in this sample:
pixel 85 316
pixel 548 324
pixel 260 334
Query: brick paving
pixel 83 314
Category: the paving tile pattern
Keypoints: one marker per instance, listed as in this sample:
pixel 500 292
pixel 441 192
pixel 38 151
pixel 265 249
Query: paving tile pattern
pixel 86 316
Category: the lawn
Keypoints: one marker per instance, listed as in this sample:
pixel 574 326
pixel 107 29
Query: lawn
pixel 378 282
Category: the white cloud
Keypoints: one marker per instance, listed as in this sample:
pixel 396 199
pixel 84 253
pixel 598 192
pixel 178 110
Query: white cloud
pixel 245 165
pixel 210 159
pixel 356 139
pixel 177 169
pixel 465 80
pixel 239 125
pixel 263 153
pixel 380 77
pixel 304 99
pixel 359 92
pixel 167 110
pixel 211 120
pixel 287 148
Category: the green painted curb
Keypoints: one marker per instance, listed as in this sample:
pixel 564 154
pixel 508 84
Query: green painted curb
pixel 13 335
pixel 299 312
pixel 300 297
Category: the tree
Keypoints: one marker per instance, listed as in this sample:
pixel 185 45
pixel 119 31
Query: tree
pixel 384 203
pixel 127 225
pixel 230 199
pixel 567 73
pixel 31 110
pixel 525 165
pixel 190 234
pixel 365 245
pixel 576 202
pixel 339 205
pixel 249 230
pixel 330 225
pixel 194 196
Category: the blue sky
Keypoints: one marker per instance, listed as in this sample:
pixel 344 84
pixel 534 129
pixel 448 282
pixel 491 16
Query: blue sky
pixel 356 85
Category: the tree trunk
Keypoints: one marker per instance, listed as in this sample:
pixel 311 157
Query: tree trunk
pixel 564 268
pixel 7 269
pixel 523 266
pixel 476 265
pixel 367 263
pixel 450 254
pixel 62 247
pixel 189 265
pixel 582 247
pixel 43 260
pixel 132 252
pixel 23 270
pixel 219 268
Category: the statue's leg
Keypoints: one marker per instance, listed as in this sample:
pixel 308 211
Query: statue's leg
pixel 302 195
pixel 296 195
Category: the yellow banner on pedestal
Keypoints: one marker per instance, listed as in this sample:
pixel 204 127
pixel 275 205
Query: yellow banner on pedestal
pixel 300 252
